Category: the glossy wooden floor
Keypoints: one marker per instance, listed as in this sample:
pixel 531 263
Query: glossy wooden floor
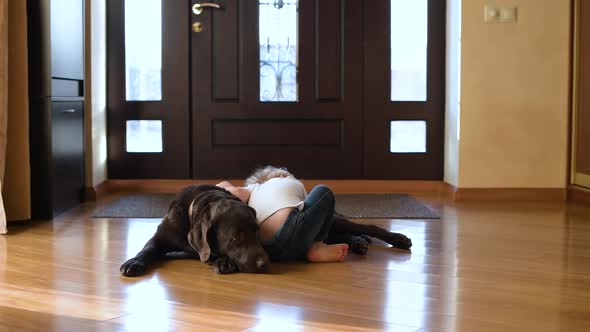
pixel 482 267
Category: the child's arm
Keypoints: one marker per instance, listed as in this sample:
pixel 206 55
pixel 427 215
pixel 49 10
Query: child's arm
pixel 224 184
pixel 242 193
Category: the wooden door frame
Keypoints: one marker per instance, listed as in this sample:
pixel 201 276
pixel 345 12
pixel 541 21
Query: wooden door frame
pixel 576 178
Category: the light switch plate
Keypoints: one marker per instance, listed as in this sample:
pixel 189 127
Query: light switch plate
pixel 498 14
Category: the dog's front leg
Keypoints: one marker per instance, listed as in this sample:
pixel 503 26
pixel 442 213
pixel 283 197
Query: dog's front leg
pixel 225 265
pixel 138 265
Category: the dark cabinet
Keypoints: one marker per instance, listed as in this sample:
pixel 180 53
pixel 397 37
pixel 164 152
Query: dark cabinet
pixel 56 112
pixel 57 156
pixel 67 153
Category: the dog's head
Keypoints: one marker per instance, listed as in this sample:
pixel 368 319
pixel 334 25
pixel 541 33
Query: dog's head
pixel 224 226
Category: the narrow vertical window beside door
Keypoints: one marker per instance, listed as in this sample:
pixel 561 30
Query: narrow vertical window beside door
pixel 278 24
pixel 143 50
pixel 144 136
pixel 407 137
pixel 409 42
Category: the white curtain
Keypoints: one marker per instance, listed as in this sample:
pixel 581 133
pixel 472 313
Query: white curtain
pixel 3 100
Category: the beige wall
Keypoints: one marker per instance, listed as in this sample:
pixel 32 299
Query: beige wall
pixel 514 96
pixel 453 85
pixel 16 188
pixel 96 143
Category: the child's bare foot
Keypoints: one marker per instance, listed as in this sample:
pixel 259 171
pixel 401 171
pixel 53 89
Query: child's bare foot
pixel 320 252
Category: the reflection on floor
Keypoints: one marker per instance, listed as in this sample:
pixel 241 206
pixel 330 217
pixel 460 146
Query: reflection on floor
pixel 482 267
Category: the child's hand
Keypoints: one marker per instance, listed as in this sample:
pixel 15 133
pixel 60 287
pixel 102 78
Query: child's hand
pixel 224 184
pixel 240 192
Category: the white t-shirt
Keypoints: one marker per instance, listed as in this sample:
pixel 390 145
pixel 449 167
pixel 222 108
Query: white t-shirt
pixel 275 194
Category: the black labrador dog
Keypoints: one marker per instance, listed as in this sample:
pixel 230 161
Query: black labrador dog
pixel 208 222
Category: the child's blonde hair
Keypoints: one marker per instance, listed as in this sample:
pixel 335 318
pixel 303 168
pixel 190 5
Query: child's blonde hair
pixel 264 174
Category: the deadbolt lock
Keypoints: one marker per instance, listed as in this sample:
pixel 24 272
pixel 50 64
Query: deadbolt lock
pixel 197 27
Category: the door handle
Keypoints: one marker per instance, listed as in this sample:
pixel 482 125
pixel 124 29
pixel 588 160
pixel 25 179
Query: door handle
pixel 69 111
pixel 199 7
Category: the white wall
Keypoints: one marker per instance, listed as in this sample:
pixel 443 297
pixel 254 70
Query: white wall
pixel 453 86
pixel 96 134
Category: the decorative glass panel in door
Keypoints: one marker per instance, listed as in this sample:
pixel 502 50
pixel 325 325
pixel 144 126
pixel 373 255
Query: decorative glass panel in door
pixel 278 50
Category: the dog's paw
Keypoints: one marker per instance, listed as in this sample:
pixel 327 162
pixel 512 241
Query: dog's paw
pixel 133 268
pixel 400 241
pixel 224 265
pixel 369 240
pixel 359 245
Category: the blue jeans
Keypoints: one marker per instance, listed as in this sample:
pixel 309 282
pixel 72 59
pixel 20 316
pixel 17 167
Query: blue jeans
pixel 303 228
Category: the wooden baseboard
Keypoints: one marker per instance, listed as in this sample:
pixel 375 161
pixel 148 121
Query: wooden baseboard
pixel 98 191
pixel 436 188
pixel 338 186
pixel 509 194
pixel 578 195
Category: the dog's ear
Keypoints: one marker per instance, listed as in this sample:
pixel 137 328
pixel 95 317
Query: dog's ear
pixel 201 234
pixel 252 210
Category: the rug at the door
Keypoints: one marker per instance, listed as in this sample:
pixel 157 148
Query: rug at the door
pixel 370 206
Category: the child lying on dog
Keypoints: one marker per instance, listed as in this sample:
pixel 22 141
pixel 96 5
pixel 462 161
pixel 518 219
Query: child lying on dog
pixel 292 223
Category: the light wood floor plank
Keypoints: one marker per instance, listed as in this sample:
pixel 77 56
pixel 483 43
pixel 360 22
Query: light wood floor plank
pixel 482 267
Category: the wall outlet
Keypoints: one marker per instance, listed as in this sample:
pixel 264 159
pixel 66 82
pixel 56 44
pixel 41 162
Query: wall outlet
pixel 498 14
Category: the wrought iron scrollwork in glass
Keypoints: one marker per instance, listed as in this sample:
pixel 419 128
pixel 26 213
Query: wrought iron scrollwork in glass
pixel 278 24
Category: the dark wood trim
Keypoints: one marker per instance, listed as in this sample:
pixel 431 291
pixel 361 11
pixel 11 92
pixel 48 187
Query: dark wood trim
pixel 572 104
pixel 578 195
pixel 508 194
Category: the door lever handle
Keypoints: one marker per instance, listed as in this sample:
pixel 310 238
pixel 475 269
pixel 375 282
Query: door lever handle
pixel 199 7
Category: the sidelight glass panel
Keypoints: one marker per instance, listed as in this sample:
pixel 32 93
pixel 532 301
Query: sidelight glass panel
pixel 144 136
pixel 409 42
pixel 278 24
pixel 143 50
pixel 407 137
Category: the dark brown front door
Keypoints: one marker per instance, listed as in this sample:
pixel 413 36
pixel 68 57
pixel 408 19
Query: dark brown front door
pixel 303 84
pixel 317 130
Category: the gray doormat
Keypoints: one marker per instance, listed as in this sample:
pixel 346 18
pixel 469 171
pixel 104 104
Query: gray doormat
pixel 375 206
